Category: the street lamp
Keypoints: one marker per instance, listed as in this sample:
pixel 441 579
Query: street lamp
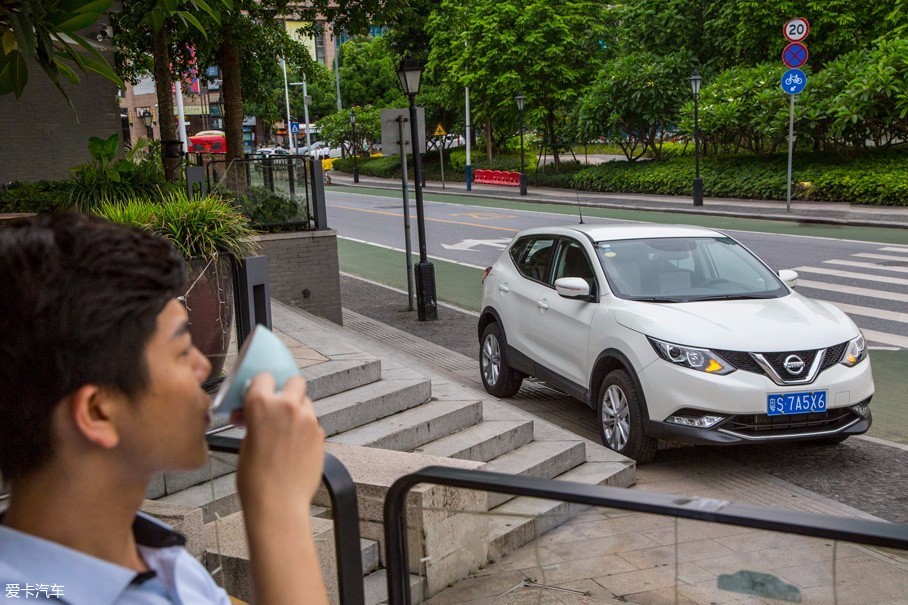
pixel 410 74
pixel 353 144
pixel 291 138
pixel 523 177
pixel 307 101
pixel 147 119
pixel 695 81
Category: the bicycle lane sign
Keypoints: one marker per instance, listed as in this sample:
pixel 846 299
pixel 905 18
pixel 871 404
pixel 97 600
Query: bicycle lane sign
pixel 794 81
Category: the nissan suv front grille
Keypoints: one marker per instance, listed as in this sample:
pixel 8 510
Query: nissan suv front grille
pixel 789 367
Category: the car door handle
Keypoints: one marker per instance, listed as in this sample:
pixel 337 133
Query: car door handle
pixel 503 288
pixel 542 304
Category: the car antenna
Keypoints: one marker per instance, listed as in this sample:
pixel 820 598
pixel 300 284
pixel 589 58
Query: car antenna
pixel 579 209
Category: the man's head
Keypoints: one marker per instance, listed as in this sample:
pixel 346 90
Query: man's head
pixel 79 302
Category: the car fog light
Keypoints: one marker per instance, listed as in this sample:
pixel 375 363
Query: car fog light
pixel 861 409
pixel 703 422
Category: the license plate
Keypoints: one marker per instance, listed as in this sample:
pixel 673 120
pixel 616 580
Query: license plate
pixel 805 402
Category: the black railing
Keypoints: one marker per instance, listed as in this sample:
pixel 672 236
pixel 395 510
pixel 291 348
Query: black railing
pixel 275 192
pixel 859 531
pixel 342 492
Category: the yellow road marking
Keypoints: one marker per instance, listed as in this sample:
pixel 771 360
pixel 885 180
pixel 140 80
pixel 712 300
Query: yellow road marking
pixel 486 215
pixel 434 220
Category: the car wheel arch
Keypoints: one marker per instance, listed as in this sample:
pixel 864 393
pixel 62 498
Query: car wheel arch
pixel 490 315
pixel 607 361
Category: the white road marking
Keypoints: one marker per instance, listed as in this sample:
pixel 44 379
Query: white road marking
pixel 894 249
pixel 878 256
pixel 852 275
pixel 860 265
pixel 871 312
pixel 469 245
pixel 816 285
pixel 447 260
pixel 885 338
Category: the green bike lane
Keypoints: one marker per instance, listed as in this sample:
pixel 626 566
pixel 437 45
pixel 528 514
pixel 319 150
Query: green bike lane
pixel 460 285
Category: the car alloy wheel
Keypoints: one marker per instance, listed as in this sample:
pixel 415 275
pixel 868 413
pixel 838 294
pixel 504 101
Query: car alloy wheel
pixel 498 378
pixel 615 422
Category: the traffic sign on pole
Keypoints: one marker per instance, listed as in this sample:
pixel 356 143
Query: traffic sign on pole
pixel 796 29
pixel 795 55
pixel 295 127
pixel 794 81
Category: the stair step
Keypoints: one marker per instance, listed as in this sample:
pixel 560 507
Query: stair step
pixel 336 376
pixel 365 404
pixel 375 587
pixel 523 519
pixel 482 442
pixel 417 426
pixel 546 459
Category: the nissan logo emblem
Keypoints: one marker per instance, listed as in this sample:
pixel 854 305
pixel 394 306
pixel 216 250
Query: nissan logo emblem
pixel 794 365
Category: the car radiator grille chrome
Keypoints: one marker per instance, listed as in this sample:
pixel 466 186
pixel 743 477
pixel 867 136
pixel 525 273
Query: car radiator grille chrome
pixel 763 426
pixel 773 364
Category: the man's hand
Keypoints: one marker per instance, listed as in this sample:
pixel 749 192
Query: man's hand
pixel 282 456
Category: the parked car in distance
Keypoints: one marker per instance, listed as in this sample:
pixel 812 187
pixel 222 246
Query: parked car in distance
pixel 208 141
pixel 671 333
pixel 318 149
pixel 267 151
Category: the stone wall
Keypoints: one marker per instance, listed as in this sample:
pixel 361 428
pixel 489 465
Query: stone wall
pixel 303 271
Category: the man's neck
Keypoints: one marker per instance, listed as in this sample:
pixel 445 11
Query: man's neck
pixel 85 513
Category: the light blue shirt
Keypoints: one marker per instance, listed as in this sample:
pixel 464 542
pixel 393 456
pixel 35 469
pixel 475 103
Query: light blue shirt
pixel 34 569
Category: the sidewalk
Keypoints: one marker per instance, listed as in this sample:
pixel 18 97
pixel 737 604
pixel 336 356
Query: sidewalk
pixel 834 213
pixel 612 556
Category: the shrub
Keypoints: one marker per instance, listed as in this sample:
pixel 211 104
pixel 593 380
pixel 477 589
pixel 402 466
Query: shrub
pixel 38 196
pixel 268 210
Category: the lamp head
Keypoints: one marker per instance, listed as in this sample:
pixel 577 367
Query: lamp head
pixel 147 118
pixel 695 81
pixel 520 101
pixel 410 74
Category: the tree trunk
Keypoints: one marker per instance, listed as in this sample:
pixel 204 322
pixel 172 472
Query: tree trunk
pixel 488 128
pixel 550 128
pixel 164 89
pixel 233 109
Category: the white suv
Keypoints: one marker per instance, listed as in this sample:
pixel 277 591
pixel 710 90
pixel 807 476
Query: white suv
pixel 673 333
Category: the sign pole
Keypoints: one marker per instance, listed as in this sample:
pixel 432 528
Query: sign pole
pixel 407 246
pixel 791 117
pixel 441 160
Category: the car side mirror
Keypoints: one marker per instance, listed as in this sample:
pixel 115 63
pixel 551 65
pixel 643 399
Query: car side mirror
pixel 572 287
pixel 790 277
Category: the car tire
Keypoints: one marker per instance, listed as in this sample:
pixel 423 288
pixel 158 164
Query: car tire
pixel 498 378
pixel 621 418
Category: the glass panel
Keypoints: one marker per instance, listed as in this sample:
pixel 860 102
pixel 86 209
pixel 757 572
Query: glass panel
pixel 540 551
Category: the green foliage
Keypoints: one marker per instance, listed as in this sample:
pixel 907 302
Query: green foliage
pixel 336 130
pixel 39 196
pixel 268 209
pixel 635 100
pixel 198 227
pixel 873 178
pixel 47 32
pixel 368 73
pixel 108 180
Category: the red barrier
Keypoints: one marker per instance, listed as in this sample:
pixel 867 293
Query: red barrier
pixel 497 177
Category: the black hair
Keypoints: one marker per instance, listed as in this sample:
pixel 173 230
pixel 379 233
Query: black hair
pixel 79 300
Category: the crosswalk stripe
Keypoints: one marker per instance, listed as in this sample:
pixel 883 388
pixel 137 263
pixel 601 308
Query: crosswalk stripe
pixel 853 290
pixel 852 275
pixel 894 249
pixel 860 265
pixel 879 256
pixel 883 337
pixel 871 312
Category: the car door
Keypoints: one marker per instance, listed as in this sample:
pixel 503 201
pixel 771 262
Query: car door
pixel 519 291
pixel 563 326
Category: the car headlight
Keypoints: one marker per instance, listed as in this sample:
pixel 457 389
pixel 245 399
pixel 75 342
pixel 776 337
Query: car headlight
pixel 855 352
pixel 703 360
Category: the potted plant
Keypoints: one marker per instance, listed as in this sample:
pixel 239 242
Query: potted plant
pixel 206 231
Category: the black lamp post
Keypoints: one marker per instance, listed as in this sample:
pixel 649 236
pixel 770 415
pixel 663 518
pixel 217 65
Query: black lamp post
pixel 523 177
pixel 353 145
pixel 147 119
pixel 410 74
pixel 695 81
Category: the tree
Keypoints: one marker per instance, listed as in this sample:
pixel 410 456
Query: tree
pixel 368 73
pixel 636 98
pixel 47 32
pixel 546 49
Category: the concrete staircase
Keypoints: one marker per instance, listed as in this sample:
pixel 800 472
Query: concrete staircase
pixel 369 396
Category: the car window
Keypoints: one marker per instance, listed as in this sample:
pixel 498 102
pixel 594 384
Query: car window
pixel 531 256
pixel 573 262
pixel 685 270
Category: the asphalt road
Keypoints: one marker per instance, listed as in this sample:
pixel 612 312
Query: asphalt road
pixel 867 475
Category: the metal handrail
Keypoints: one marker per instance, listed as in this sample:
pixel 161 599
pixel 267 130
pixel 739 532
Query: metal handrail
pixel 342 492
pixel 859 531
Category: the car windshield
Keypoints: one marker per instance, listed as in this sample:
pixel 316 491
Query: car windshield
pixel 686 269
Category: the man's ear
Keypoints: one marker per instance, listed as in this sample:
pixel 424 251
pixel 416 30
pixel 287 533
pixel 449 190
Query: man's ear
pixel 91 412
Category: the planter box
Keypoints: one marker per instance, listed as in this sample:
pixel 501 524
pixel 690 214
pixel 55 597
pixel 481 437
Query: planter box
pixel 303 271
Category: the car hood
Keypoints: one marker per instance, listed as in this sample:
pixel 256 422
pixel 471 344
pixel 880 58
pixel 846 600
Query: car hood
pixel 790 323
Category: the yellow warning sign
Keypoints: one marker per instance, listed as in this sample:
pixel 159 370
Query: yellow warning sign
pixel 439 131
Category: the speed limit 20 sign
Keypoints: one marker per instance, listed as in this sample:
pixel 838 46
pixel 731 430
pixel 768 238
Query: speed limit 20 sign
pixel 796 29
